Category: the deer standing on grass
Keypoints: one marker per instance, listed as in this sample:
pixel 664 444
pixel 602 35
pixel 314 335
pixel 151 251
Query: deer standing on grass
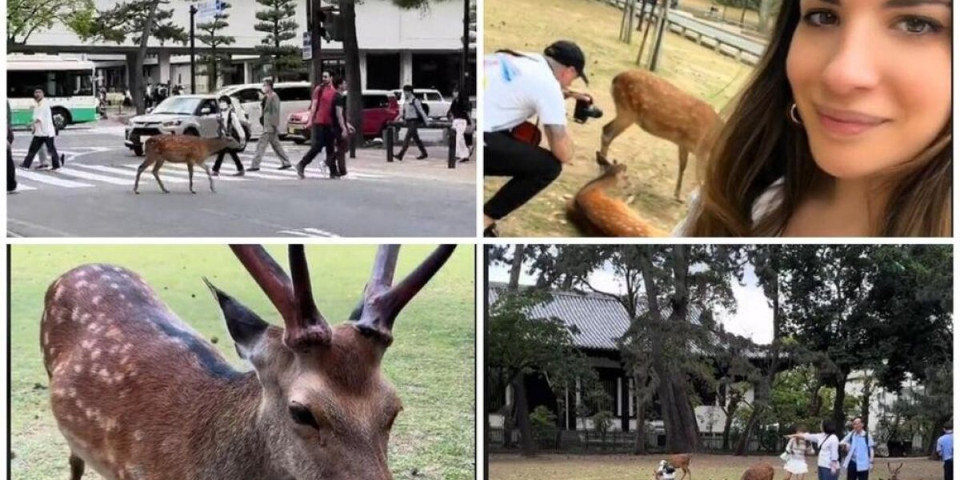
pixel 138 394
pixel 894 472
pixel 181 149
pixel 665 111
pixel 597 214
pixel 760 471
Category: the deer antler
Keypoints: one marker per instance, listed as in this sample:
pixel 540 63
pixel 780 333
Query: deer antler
pixel 382 303
pixel 304 325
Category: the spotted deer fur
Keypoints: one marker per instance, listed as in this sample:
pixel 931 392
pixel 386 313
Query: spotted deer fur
pixel 665 111
pixel 598 214
pixel 138 394
pixel 181 149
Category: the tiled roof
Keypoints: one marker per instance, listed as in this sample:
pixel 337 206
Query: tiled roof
pixel 600 320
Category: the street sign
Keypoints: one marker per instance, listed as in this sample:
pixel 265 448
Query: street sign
pixel 307 49
pixel 207 10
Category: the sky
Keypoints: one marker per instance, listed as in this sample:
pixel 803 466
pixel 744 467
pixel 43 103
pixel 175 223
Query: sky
pixel 753 318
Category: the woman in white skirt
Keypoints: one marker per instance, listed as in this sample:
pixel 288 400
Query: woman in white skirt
pixel 796 466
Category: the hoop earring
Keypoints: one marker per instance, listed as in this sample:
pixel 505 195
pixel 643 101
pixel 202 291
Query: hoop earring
pixel 792 113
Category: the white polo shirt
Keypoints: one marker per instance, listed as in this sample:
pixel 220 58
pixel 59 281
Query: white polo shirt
pixel 517 88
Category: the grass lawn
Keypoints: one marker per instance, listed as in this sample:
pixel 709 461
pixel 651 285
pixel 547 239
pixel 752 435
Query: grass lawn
pixel 702 467
pixel 431 361
pixel 530 25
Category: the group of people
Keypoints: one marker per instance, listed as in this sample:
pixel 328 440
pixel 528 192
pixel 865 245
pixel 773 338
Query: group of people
pixel 853 454
pixel 825 139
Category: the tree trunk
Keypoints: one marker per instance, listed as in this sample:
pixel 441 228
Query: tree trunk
pixel 838 413
pixel 640 400
pixel 760 403
pixel 527 446
pixel 865 400
pixel 351 50
pixel 728 423
pixel 141 57
pixel 515 268
pixel 678 418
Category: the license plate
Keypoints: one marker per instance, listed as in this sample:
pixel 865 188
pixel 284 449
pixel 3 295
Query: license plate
pixel 291 130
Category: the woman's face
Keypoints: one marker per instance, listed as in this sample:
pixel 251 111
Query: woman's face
pixel 871 79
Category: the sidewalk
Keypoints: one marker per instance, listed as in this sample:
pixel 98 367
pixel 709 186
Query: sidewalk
pixel 434 166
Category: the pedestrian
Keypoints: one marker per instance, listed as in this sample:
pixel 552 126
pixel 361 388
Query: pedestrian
pixel 413 118
pixel 148 95
pixel 43 131
pixel 11 170
pixel 795 454
pixel 342 130
pixel 945 450
pixel 229 126
pixel 517 87
pixel 828 450
pixel 460 113
pixel 859 458
pixel 270 119
pixel 321 123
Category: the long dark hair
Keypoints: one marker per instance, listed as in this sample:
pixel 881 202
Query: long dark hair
pixel 759 145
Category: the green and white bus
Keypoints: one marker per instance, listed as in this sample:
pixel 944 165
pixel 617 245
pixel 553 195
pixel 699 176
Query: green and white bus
pixel 68 84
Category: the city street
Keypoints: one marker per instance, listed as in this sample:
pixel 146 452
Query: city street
pixel 92 196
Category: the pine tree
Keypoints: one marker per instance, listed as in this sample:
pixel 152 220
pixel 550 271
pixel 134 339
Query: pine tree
pixel 134 21
pixel 215 63
pixel 276 21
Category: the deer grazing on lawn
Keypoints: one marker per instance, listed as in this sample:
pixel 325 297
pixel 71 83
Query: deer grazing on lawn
pixel 665 111
pixel 138 394
pixel 597 214
pixel 181 149
pixel 760 471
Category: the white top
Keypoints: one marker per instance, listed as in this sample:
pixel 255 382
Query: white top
pixel 829 449
pixel 43 120
pixel 764 204
pixel 517 88
pixel 413 110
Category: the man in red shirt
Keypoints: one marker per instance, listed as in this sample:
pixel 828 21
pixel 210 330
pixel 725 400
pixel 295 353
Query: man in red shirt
pixel 321 123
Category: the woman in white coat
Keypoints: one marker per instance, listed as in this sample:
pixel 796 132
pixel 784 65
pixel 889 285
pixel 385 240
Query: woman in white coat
pixel 229 125
pixel 828 446
pixel 796 466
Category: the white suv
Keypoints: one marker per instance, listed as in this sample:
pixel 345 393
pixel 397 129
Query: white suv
pixel 434 101
pixel 294 97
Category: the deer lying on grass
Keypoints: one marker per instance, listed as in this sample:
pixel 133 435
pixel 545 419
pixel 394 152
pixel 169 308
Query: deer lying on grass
pixel 894 472
pixel 181 149
pixel 760 471
pixel 138 394
pixel 597 214
pixel 665 111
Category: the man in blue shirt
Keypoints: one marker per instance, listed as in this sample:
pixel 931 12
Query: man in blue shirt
pixel 945 450
pixel 859 459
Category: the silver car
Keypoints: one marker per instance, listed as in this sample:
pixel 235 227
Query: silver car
pixel 197 115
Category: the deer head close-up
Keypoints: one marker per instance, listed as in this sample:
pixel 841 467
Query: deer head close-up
pixel 138 394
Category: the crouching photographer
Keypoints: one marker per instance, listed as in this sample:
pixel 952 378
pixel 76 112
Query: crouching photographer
pixel 519 86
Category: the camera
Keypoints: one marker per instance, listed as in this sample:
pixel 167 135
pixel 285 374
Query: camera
pixel 586 110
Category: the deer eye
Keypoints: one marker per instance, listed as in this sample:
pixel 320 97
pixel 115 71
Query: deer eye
pixel 301 415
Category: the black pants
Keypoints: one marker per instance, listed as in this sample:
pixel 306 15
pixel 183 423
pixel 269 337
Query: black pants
pixel 948 469
pixel 532 168
pixel 11 170
pixel 412 134
pixel 233 155
pixel 338 163
pixel 853 474
pixel 35 145
pixel 321 138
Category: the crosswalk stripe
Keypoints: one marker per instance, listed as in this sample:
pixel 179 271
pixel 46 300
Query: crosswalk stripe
pixel 22 187
pixel 323 233
pixel 197 174
pixel 181 168
pixel 293 232
pixel 92 176
pixel 51 179
pixel 132 173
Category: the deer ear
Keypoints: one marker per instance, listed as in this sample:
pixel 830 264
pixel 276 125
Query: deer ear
pixel 245 327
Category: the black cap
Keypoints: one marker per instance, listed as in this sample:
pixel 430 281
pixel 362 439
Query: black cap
pixel 568 54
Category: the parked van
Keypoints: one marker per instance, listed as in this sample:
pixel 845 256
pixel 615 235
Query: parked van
pixel 294 97
pixel 434 101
